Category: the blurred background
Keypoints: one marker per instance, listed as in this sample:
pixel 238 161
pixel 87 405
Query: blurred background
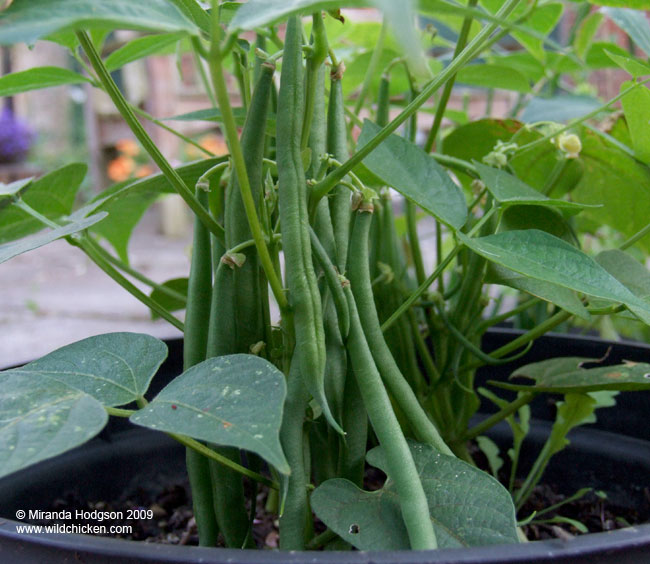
pixel 55 295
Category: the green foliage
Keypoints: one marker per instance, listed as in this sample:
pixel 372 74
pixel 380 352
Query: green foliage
pixel 38 77
pixel 468 507
pixel 220 400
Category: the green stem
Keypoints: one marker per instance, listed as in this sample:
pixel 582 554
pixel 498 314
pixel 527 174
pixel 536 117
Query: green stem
pixel 216 68
pixel 197 49
pixel 446 93
pixel 470 51
pixel 483 426
pixel 209 453
pixel 372 67
pixel 125 110
pixel 118 412
pixel 636 237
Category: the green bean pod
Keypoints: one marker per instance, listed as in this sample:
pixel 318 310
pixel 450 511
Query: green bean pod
pixel 400 464
pixel 359 274
pixel 304 296
pixel 197 320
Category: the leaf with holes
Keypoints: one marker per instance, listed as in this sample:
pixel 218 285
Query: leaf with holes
pixel 467 506
pixel 416 175
pixel 40 418
pixel 566 375
pixel 115 368
pixel 235 400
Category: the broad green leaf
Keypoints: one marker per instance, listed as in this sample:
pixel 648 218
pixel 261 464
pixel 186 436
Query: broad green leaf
pixel 170 303
pixel 598 55
pixel 29 20
pixel 259 13
pixel 126 203
pixel 38 77
pixel 12 190
pixel 233 400
pixel 635 4
pixel 468 507
pixel 52 195
pixel 115 368
pixel 15 248
pixel 532 166
pixel 400 16
pixel 521 61
pixel 628 271
pixel 538 217
pixel 618 181
pixel 559 108
pixel 542 256
pixel 558 295
pixel 416 175
pixel 636 67
pixel 566 375
pixel 508 190
pixel 585 34
pixel 194 12
pixel 632 22
pixel 40 418
pixel 141 47
pixel 493 76
pixel 636 106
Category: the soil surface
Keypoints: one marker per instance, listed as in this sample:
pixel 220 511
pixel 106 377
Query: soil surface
pixel 173 521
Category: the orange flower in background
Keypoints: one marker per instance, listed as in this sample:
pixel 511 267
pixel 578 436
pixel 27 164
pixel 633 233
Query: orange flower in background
pixel 143 170
pixel 120 168
pixel 128 147
pixel 214 144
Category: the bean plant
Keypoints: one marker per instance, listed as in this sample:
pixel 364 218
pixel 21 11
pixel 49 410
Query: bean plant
pixel 320 338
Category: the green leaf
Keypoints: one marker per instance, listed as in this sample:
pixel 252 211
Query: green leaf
pixel 260 13
pixel 170 303
pixel 491 451
pixel 196 13
pixel 29 20
pixel 12 190
pixel 126 203
pixel 141 47
pixel 36 78
pixel 566 375
pixel 542 256
pixel 636 67
pixel 598 57
pixel 558 295
pixel 416 175
pixel 400 17
pixel 632 22
pixel 586 32
pixel 508 190
pixel 467 506
pixel 115 368
pixel 52 195
pixel 233 400
pixel 559 108
pixel 40 418
pixel 493 76
pixel 628 271
pixel 636 4
pixel 15 248
pixel 636 106
pixel 618 181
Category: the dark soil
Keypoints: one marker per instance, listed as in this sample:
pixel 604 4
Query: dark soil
pixel 173 521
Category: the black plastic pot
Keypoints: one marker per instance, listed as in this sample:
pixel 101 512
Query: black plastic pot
pixel 613 456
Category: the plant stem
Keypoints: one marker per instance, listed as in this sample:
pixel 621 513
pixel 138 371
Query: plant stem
pixel 125 110
pixel 446 93
pixel 216 69
pixel 372 67
pixel 483 426
pixel 472 49
pixel 209 453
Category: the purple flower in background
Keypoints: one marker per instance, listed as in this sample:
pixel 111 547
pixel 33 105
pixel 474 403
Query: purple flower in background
pixel 15 137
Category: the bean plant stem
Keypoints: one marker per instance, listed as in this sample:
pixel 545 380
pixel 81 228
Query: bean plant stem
pixel 216 69
pixel 483 426
pixel 129 117
pixel 470 51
